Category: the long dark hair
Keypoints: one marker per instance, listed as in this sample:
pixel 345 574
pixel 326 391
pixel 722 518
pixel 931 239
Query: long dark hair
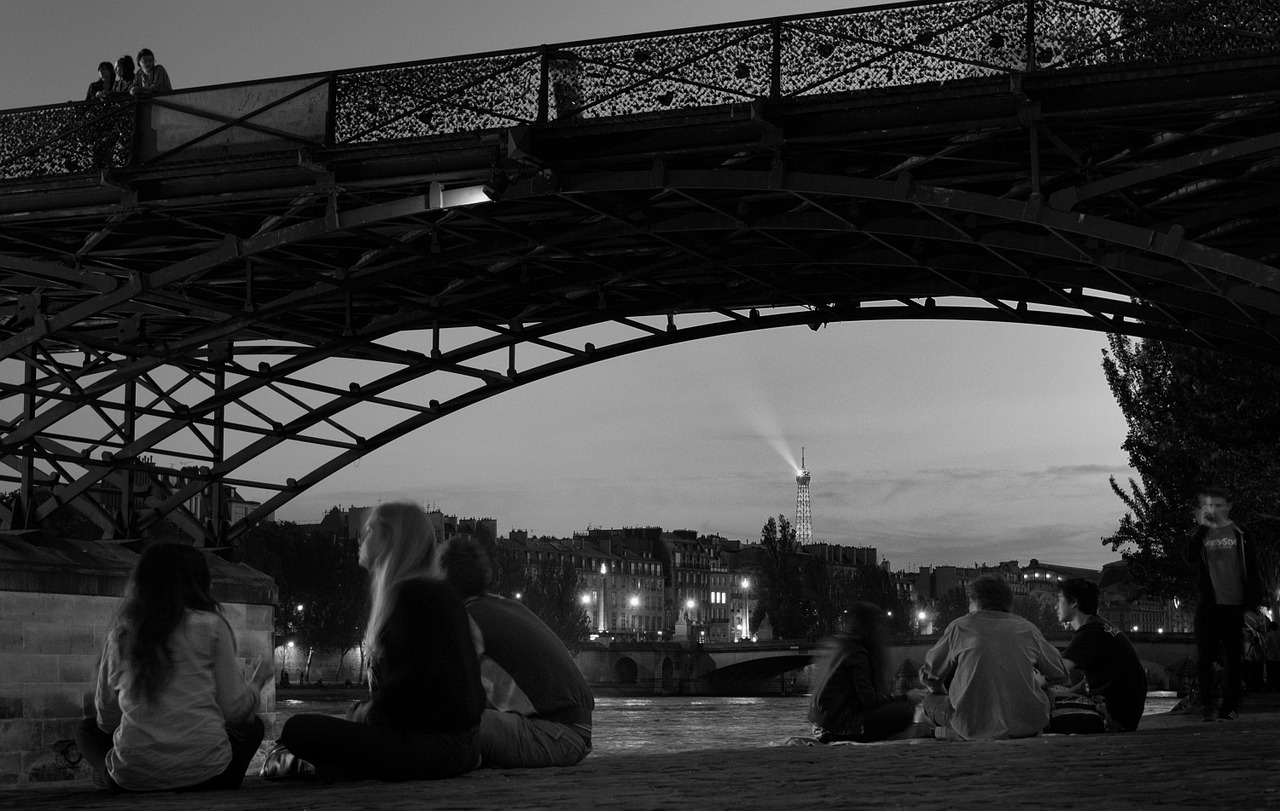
pixel 865 622
pixel 168 579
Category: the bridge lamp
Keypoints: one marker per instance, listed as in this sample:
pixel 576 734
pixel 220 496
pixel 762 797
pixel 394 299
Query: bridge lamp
pixel 690 603
pixel 440 197
pixel 586 599
pixel 635 601
pixel 922 616
pixel 289 644
pixel 1135 627
pixel 519 595
pixel 1159 630
pixel 298 608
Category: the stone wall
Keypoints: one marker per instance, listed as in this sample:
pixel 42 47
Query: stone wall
pixel 56 601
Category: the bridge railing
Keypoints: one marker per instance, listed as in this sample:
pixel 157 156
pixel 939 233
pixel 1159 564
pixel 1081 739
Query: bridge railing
pixel 788 57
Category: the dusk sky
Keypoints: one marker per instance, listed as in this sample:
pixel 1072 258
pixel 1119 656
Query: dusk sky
pixel 936 443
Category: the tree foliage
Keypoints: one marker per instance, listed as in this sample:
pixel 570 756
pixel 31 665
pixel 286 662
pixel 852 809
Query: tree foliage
pixel 551 589
pixel 782 597
pixel 953 604
pixel 1040 612
pixel 1195 418
pixel 804 596
pixel 316 570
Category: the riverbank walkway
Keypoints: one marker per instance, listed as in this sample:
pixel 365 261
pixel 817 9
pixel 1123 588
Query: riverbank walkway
pixel 1172 761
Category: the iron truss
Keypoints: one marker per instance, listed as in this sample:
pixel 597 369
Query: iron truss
pixel 254 307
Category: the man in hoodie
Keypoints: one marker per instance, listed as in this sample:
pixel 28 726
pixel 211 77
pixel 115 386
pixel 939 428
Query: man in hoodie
pixel 1228 583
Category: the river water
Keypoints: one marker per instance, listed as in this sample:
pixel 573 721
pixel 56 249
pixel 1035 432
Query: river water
pixel 683 723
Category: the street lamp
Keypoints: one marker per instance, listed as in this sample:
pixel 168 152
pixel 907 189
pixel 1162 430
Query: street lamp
pixel 746 608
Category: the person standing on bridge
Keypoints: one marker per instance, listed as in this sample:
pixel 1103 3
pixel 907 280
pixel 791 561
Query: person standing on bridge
pixel 539 703
pixel 1111 666
pixel 1228 582
pixel 151 78
pixel 850 702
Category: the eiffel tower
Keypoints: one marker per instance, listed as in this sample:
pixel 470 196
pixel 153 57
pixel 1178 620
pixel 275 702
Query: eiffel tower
pixel 804 515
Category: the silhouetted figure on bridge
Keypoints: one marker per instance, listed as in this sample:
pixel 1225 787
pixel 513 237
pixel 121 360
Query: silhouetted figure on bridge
pixel 850 701
pixel 151 78
pixel 540 704
pixel 125 75
pixel 106 83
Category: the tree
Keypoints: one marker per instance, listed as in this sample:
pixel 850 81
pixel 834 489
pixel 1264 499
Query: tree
pixel 1038 611
pixel 953 604
pixel 318 571
pixel 782 593
pixel 553 596
pixel 1195 418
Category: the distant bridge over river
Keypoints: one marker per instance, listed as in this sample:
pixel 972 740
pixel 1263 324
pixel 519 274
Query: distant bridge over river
pixel 733 668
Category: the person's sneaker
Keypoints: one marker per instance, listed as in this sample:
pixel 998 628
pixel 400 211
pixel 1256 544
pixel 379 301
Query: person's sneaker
pixel 1228 715
pixel 281 763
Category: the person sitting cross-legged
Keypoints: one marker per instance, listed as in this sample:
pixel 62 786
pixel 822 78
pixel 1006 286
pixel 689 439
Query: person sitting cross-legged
pixel 1110 664
pixel 850 702
pixel 539 704
pixel 986 673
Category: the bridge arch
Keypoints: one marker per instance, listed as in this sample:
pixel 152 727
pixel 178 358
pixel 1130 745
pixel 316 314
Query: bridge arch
pixel 314 307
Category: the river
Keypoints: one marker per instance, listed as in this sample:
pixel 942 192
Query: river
pixel 684 723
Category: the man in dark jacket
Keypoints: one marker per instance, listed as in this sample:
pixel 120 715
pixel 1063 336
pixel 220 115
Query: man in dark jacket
pixel 1228 583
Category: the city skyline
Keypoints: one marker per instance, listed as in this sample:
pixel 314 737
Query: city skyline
pixel 936 443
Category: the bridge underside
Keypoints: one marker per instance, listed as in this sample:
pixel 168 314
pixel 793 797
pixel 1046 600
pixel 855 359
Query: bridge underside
pixel 222 321
pixel 759 669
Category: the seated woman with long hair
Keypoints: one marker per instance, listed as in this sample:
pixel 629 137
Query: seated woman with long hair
pixel 850 700
pixel 173 710
pixel 422 716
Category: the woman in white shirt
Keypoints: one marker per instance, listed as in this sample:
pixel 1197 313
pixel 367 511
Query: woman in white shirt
pixel 173 711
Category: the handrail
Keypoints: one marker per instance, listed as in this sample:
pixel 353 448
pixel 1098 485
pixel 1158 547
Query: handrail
pixel 928 41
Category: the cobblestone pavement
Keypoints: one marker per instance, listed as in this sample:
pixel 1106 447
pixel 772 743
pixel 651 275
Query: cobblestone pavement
pixel 1174 761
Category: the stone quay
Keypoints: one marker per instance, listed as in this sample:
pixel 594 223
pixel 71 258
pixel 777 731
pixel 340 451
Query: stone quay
pixel 1172 760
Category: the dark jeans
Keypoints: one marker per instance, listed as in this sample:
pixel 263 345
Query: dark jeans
pixel 94 744
pixel 878 723
pixel 347 750
pixel 1220 628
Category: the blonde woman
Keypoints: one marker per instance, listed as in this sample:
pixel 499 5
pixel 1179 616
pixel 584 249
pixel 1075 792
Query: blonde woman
pixel 421 719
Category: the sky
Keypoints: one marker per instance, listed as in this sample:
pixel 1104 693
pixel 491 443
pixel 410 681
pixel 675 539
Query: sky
pixel 936 442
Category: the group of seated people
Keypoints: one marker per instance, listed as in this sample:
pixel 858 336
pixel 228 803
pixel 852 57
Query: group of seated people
pixel 123 79
pixel 991 675
pixel 458 678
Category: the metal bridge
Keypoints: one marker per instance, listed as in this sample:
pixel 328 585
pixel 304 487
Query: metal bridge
pixel 251 286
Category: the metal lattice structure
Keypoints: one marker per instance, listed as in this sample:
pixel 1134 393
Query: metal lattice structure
pixel 804 507
pixel 209 287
